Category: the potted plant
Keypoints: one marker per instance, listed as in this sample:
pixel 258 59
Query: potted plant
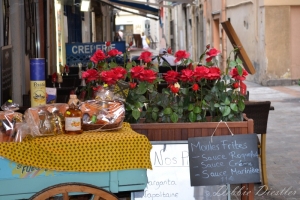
pixel 201 92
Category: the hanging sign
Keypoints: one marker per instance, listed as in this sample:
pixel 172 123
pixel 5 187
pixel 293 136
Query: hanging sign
pixel 81 52
pixel 222 160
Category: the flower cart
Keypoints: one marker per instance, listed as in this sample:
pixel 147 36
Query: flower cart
pixel 98 163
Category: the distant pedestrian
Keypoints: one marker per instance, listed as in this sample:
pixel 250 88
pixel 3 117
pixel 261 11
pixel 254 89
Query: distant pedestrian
pixel 165 59
pixel 144 41
pixel 117 37
pixel 121 34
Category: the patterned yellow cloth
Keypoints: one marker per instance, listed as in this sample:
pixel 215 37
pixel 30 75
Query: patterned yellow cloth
pixel 87 152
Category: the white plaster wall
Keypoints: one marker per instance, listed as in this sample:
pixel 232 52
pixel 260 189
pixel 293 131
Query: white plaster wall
pixel 262 61
pixel 295 42
pixel 138 22
pixel 243 20
pixel 86 28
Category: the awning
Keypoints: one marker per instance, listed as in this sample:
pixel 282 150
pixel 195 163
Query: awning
pixel 179 1
pixel 142 8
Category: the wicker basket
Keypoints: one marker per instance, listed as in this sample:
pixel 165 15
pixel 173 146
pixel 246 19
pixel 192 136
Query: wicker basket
pixel 102 127
pixel 111 118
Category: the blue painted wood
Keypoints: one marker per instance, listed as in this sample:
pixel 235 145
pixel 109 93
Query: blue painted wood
pixel 18 181
pixel 113 181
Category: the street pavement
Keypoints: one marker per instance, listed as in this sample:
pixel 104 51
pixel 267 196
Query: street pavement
pixel 283 137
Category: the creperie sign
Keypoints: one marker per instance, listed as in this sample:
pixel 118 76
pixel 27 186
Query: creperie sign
pixel 90 48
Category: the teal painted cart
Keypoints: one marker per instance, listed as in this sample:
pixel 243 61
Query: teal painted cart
pixel 23 182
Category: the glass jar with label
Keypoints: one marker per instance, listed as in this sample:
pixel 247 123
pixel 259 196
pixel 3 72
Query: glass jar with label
pixel 73 117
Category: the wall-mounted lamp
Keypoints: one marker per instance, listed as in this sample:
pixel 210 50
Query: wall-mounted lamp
pixel 85 5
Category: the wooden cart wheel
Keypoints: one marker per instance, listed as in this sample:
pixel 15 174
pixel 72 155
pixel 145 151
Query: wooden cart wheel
pixel 64 189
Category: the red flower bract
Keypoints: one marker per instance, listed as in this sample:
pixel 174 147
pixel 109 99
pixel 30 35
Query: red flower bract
pixel 112 76
pixel 97 88
pixel 211 54
pixel 171 77
pixel 235 85
pixel 195 87
pixel 186 75
pixel 90 75
pixel 132 85
pixel 137 72
pixel 174 89
pixel 235 74
pixel 181 54
pixel 114 52
pixel 99 55
pixel 214 73
pixel 169 50
pixel 109 77
pixel 200 72
pixel 146 56
pixel 120 72
pixel 54 77
pixel 107 43
pixel 149 75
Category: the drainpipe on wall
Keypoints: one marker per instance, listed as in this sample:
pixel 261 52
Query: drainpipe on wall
pixel 175 33
pixel 194 33
pixel 224 44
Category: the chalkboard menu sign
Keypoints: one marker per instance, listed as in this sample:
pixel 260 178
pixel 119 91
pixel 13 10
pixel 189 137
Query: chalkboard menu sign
pixel 222 160
pixel 6 73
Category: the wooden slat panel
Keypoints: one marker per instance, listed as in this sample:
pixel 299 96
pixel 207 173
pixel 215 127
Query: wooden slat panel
pixel 182 131
pixel 235 41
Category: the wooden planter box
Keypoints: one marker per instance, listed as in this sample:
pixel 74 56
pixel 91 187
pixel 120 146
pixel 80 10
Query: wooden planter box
pixel 183 131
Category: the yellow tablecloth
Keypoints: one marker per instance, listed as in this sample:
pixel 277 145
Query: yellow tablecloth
pixel 90 152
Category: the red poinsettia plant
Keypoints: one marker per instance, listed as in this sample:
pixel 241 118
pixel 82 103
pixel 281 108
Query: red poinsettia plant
pixel 186 95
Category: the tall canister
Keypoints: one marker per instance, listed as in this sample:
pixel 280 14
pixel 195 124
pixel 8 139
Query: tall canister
pixel 37 82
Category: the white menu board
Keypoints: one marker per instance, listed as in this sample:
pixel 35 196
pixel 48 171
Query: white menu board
pixel 170 177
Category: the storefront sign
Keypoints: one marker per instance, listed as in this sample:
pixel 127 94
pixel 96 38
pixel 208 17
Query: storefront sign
pixel 81 52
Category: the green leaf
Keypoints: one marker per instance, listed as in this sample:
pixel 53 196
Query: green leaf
pixel 227 101
pixel 142 99
pixel 154 116
pixel 241 105
pixel 232 64
pixel 239 61
pixel 149 109
pixel 216 105
pixel 234 107
pixel 225 111
pixel 184 90
pixel 129 66
pixel 180 110
pixel 167 111
pixel 136 114
pixel 197 110
pixel 191 107
pixel 240 70
pixel 174 117
pixel 113 64
pixel 192 117
pixel 141 88
pixel 104 65
pixel 155 109
pixel 199 118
